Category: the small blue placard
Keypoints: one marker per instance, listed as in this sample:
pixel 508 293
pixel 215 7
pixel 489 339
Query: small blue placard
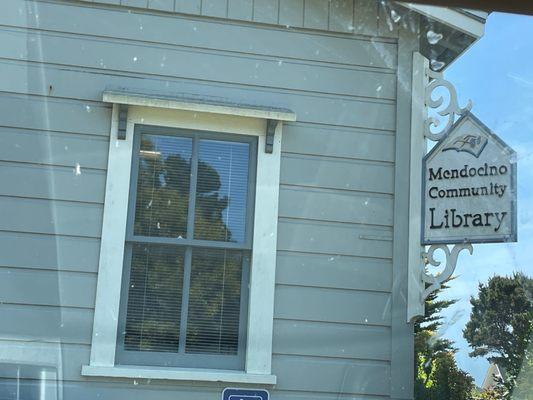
pixel 244 394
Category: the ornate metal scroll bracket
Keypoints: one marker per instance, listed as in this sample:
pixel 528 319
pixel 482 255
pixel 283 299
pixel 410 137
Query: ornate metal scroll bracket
pixel 436 80
pixel 435 281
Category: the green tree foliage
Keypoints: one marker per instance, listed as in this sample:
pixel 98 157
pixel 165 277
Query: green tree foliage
pixel 437 375
pixel 501 325
pixel 495 393
pixel 450 381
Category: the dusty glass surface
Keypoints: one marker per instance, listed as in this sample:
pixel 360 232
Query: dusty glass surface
pixel 134 258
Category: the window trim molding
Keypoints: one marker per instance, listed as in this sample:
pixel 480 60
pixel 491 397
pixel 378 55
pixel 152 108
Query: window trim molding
pixel 212 105
pixel 258 357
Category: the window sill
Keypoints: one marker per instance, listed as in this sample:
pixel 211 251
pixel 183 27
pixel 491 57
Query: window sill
pixel 178 374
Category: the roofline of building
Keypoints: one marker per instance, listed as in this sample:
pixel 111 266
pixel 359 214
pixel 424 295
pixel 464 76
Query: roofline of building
pixel 461 20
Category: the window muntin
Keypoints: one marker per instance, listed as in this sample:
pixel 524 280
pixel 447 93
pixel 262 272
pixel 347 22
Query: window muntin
pixel 188 248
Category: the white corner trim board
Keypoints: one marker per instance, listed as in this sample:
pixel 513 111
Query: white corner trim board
pixel 262 276
pixel 415 287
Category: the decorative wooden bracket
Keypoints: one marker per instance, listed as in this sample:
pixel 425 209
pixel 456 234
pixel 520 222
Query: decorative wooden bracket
pixel 122 121
pixel 425 82
pixel 449 112
pixel 435 281
pixel 270 131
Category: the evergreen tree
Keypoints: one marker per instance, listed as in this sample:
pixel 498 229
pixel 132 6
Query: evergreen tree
pixel 437 375
pixel 501 325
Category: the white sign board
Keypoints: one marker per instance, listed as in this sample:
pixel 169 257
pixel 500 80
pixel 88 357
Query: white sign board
pixel 469 187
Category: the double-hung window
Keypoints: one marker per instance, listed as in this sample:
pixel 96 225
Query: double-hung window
pixel 188 249
pixel 187 262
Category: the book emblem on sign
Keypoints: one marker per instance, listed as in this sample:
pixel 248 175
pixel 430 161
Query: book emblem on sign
pixel 473 144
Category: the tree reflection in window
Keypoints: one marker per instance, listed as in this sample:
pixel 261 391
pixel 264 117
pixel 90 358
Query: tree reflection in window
pixel 158 271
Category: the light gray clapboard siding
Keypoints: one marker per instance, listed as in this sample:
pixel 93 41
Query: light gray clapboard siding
pixel 63 324
pixel 336 173
pixel 51 182
pixel 50 217
pixel 331 340
pixel 310 108
pixel 54 115
pixel 333 271
pixel 29 250
pixel 350 122
pixel 76 289
pixel 337 142
pixel 158 391
pixel 154 390
pixel 74 326
pixel 122 389
pixel 334 238
pixel 53 148
pixel 272 73
pixel 294 373
pixel 322 304
pixel 293 395
pixel 191 33
pixel 73 356
pixel 47 288
pixel 330 375
pixel 335 206
pixel 338 17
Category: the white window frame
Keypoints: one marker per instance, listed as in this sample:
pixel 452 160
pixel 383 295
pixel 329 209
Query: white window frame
pixel 222 118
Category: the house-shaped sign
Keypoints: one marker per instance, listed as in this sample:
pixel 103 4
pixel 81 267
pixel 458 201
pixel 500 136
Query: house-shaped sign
pixel 469 187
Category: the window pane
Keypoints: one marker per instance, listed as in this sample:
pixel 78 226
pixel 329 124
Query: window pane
pixel 214 302
pixel 154 300
pixel 163 186
pixel 222 190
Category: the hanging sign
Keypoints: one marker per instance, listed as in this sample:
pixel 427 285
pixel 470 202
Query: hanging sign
pixel 469 187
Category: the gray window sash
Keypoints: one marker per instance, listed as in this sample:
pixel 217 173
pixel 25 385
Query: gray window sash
pixel 182 359
pixel 195 136
pixel 188 242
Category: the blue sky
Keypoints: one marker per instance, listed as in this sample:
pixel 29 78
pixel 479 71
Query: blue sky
pixel 496 73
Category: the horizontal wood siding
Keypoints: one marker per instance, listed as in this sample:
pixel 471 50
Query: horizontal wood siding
pixel 75 183
pixel 331 340
pixel 49 251
pixel 332 327
pixel 327 15
pixel 333 271
pixel 53 148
